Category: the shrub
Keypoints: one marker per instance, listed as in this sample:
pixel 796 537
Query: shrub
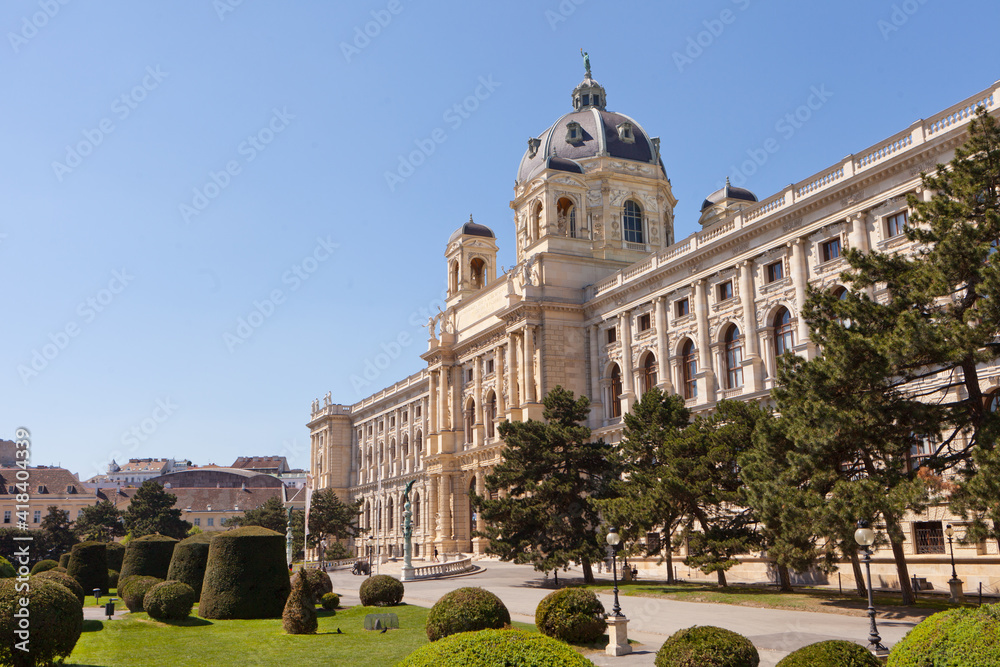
pixel 64 560
pixel 832 653
pixel 465 610
pixel 6 569
pixel 246 575
pixel 56 623
pixel 148 556
pixel 44 566
pixel 112 579
pixel 88 564
pixel 69 582
pixel 299 615
pixel 707 646
pixel 967 637
pixel 169 601
pixel 132 590
pixel 572 615
pixel 189 560
pixel 319 581
pixel 381 591
pixel 488 648
pixel 330 601
pixel 116 552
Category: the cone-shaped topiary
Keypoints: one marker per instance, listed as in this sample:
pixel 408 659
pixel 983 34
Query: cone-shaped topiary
pixel 169 601
pixel 381 591
pixel 116 552
pixel 707 646
pixel 966 637
pixel 466 610
pixel 189 561
pixel 573 615
pixel 132 590
pixel 69 582
pixel 299 616
pixel 319 581
pixel 6 569
pixel 64 560
pixel 56 623
pixel 488 648
pixel 246 575
pixel 330 601
pixel 832 653
pixel 112 579
pixel 88 564
pixel 148 556
pixel 44 566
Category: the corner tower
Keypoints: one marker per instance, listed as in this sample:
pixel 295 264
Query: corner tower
pixel 472 260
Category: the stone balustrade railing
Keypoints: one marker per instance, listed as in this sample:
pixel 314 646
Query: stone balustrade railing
pixel 438 569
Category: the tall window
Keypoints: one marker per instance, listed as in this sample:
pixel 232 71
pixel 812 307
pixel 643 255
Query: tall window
pixel 470 416
pixel 734 357
pixel 566 217
pixel 895 224
pixel 783 341
pixel 477 267
pixel 632 222
pixel 491 414
pixel 616 391
pixel 536 222
pixel 689 368
pixel 649 373
pixel 416 510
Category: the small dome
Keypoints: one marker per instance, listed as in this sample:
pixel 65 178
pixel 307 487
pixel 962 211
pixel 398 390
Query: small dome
pixel 727 194
pixel 472 229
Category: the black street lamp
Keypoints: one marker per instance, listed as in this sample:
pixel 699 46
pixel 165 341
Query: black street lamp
pixel 950 532
pixel 614 546
pixel 371 553
pixel 865 537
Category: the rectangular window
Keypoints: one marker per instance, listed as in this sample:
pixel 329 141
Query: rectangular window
pixel 895 224
pixel 775 272
pixel 612 335
pixel 197 522
pixel 468 375
pixel 416 412
pixel 392 421
pixel 489 366
pixel 726 290
pixel 830 250
pixel 405 416
pixel 37 517
pixel 6 516
pixel 929 537
pixel 644 322
pixel 682 307
pixel 211 521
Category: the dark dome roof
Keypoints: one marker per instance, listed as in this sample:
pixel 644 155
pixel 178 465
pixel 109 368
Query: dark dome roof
pixel 728 192
pixel 563 164
pixel 472 229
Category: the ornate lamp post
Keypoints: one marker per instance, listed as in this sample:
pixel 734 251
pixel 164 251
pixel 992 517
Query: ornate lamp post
pixel 371 552
pixel 614 542
pixel 617 623
pixel 288 540
pixel 865 537
pixel 955 584
pixel 407 534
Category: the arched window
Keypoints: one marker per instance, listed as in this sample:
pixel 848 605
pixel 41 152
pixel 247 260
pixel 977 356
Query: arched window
pixel 632 222
pixel 477 269
pixel 649 373
pixel 453 277
pixel 783 338
pixel 536 222
pixel 491 415
pixel 689 369
pixel 470 417
pixel 390 524
pixel 368 516
pixel 566 217
pixel 734 357
pixel 993 401
pixel 416 510
pixel 472 510
pixel 616 391
pixel 378 516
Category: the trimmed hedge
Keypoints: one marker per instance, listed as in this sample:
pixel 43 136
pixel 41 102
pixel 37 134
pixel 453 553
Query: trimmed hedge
pixel 44 566
pixel 573 615
pixel 381 591
pixel 319 582
pixel 6 569
pixel 832 653
pixel 69 582
pixel 112 579
pixel 64 560
pixel 489 648
pixel 88 564
pixel 299 615
pixel 246 575
pixel 169 601
pixel 116 553
pixel 56 623
pixel 189 561
pixel 330 601
pixel 132 590
pixel 148 556
pixel 966 637
pixel 466 610
pixel 707 646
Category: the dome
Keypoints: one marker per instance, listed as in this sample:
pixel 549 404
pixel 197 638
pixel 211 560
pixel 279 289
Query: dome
pixel 472 229
pixel 728 193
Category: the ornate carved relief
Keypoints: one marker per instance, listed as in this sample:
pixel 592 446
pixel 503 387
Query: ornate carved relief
pixel 618 196
pixel 594 198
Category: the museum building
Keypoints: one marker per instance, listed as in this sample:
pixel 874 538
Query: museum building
pixel 604 301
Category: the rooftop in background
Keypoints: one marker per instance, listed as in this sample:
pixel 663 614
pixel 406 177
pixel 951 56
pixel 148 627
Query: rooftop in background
pixel 273 464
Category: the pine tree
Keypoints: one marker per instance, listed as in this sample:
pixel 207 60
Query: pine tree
pixel 58 533
pixel 299 615
pixel 329 516
pixel 100 522
pixel 548 482
pixel 152 511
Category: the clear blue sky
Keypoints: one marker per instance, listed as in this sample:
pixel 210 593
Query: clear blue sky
pixel 113 114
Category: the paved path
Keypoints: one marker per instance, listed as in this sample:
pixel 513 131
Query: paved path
pixel 775 632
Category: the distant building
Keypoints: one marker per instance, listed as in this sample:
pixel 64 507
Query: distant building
pixel 45 487
pixel 137 471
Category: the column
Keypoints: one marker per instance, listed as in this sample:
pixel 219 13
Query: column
pixel 662 352
pixel 457 418
pixel 497 381
pixel 628 373
pixel 478 543
pixel 706 388
pixel 515 400
pixel 477 394
pixel 595 375
pixel 800 276
pixel 433 525
pixel 444 508
pixel 750 337
pixel 858 238
pixel 433 408
pixel 529 364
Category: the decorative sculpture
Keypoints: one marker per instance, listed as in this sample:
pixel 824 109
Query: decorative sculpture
pixel 407 532
pixel 586 61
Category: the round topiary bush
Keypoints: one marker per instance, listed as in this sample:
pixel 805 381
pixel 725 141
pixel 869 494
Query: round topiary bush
pixel 132 590
pixel 148 556
pixel 6 569
pixel 466 610
pixel 319 581
pixel 69 582
pixel 488 648
pixel 330 601
pixel 833 653
pixel 112 579
pixel 707 646
pixel 56 623
pixel 299 615
pixel 88 564
pixel 116 553
pixel 64 560
pixel 572 615
pixel 44 566
pixel 381 591
pixel 966 637
pixel 246 575
pixel 169 601
pixel 189 561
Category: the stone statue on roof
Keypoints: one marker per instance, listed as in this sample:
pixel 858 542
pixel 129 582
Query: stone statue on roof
pixel 586 61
